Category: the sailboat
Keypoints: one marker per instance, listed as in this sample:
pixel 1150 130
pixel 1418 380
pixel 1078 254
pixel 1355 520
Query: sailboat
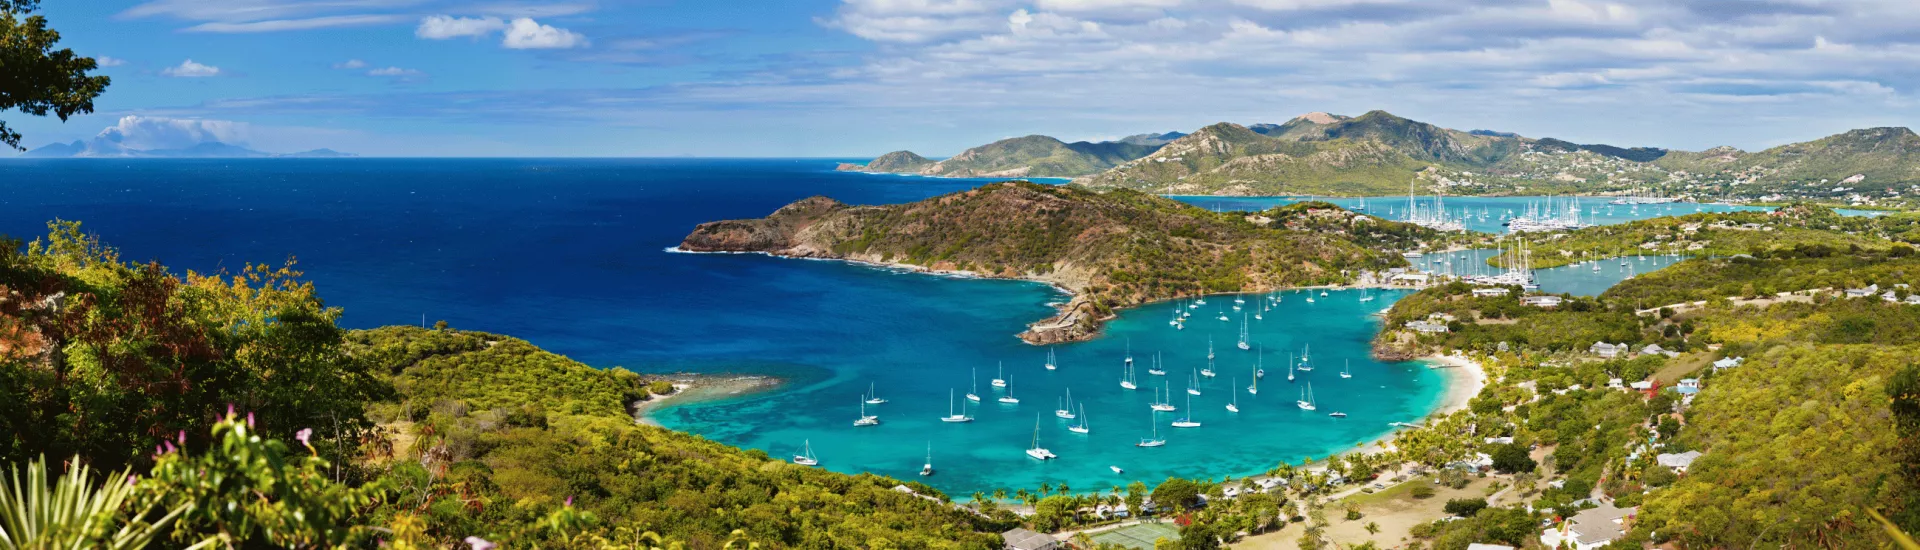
pixel 974 394
pixel 1347 371
pixel 1188 421
pixel 1080 428
pixel 1038 452
pixel 1306 358
pixel 1255 388
pixel 1243 333
pixel 1289 367
pixel 1260 363
pixel 1154 441
pixel 1009 398
pixel 1050 364
pixel 1209 347
pixel 1223 317
pixel 951 417
pixel 1067 411
pixel 1155 370
pixel 1337 414
pixel 1129 361
pixel 927 469
pixel 1193 384
pixel 1237 300
pixel 866 419
pixel 806 458
pixel 1208 371
pixel 1126 376
pixel 873 397
pixel 1001 380
pixel 1306 398
pixel 1235 405
pixel 1161 404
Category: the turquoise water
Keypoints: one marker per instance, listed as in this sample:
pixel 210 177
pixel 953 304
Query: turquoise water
pixel 916 371
pixel 570 254
pixel 1482 214
pixel 1578 280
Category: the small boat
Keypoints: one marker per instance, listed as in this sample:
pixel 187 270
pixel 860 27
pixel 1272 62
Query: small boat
pixel 974 395
pixel 1200 302
pixel 1223 317
pixel 1306 358
pixel 1067 411
pixel 1155 370
pixel 1193 384
pixel 1117 470
pixel 1038 452
pixel 1050 364
pixel 1235 405
pixel 1347 371
pixel 1255 388
pixel 1337 414
pixel 1208 371
pixel 1082 427
pixel 1306 398
pixel 806 458
pixel 1239 300
pixel 1188 421
pixel 1160 404
pixel 866 419
pixel 1323 293
pixel 873 397
pixel 1289 367
pixel 1154 441
pixel 951 417
pixel 1309 299
pixel 1243 333
pixel 927 468
pixel 1001 380
pixel 1009 398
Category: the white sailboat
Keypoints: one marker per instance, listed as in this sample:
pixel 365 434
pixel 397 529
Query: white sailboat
pixel 1255 388
pixel 1208 371
pixel 974 394
pixel 1129 361
pixel 1162 404
pixel 1038 452
pixel 1306 358
pixel 1289 367
pixel 1193 384
pixel 1050 364
pixel 927 468
pixel 1260 363
pixel 806 458
pixel 873 396
pixel 1082 427
pixel 1009 398
pixel 1067 411
pixel 1001 380
pixel 866 419
pixel 1306 398
pixel 1209 347
pixel 1188 421
pixel 1337 414
pixel 951 417
pixel 1154 441
pixel 1243 333
pixel 1234 406
pixel 1347 371
pixel 1126 377
pixel 1155 370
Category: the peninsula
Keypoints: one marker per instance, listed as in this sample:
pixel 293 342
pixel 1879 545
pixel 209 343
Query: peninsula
pixel 1109 250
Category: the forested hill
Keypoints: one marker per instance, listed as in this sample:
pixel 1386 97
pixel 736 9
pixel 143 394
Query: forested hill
pixel 1113 249
pixel 247 418
pixel 1021 157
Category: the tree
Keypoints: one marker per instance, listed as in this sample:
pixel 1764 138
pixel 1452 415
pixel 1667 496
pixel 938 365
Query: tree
pixel 1199 536
pixel 38 79
pixel 1176 493
pixel 1465 507
pixel 1052 513
pixel 1373 528
pixel 1512 458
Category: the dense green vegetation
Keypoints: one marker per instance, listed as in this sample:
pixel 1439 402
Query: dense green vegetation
pixel 40 79
pixel 1028 156
pixel 1716 234
pixel 416 437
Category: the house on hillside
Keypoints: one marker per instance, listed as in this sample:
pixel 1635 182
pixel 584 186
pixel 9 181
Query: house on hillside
pixel 1022 539
pixel 1870 290
pixel 1410 279
pixel 1590 529
pixel 1427 327
pixel 1607 350
pixel 1541 301
pixel 1655 349
pixel 1679 462
pixel 1491 292
pixel 1727 363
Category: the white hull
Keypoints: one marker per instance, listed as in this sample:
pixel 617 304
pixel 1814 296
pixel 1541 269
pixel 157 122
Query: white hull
pixel 973 398
pixel 1041 454
pixel 956 418
pixel 1232 408
pixel 1186 424
pixel 1009 399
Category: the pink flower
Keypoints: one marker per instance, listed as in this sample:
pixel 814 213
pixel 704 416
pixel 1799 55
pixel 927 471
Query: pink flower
pixel 304 435
pixel 569 501
pixel 229 410
pixel 480 544
pixel 182 438
pixel 249 419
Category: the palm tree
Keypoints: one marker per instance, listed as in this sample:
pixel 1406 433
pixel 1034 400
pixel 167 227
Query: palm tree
pixel 1045 488
pixel 1373 528
pixel 1062 488
pixel 1000 493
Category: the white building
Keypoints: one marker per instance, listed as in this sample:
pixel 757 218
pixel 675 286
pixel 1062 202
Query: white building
pixel 1679 462
pixel 1607 350
pixel 1541 301
pixel 1590 529
pixel 1727 363
pixel 1491 292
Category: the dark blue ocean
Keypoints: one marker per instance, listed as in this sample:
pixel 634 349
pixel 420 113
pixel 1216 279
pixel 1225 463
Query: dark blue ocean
pixel 572 256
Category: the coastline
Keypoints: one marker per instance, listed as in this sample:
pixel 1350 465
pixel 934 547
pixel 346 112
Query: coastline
pixel 1464 380
pixel 692 388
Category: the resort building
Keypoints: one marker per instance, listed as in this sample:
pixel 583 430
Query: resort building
pixel 1491 292
pixel 1427 327
pixel 1541 301
pixel 1679 462
pixel 1589 529
pixel 1022 539
pixel 1411 279
pixel 1863 292
pixel 1727 363
pixel 1607 350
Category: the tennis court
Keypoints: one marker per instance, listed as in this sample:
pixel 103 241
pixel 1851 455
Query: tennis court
pixel 1138 536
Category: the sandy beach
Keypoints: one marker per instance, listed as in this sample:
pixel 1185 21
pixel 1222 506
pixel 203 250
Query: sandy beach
pixel 689 388
pixel 1465 379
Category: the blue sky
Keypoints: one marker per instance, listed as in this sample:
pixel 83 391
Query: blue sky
pixel 862 77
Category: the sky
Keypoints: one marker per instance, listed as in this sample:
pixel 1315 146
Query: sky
pixel 857 78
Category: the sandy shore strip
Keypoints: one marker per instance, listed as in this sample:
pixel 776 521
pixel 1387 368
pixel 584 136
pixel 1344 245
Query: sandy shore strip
pixel 1465 379
pixel 690 388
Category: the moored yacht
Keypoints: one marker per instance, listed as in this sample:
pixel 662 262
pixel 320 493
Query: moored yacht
pixel 1154 441
pixel 805 458
pixel 974 395
pixel 953 417
pixel 1038 452
pixel 1188 421
pixel 1234 406
pixel 1001 380
pixel 866 419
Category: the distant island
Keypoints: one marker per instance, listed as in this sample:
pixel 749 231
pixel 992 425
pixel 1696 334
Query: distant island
pixel 104 148
pixel 1378 153
pixel 1110 250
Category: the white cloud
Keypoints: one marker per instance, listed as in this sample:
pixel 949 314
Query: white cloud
pixel 396 72
pixel 525 33
pixel 105 61
pixel 350 64
pixel 276 25
pixel 150 132
pixel 442 27
pixel 189 69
